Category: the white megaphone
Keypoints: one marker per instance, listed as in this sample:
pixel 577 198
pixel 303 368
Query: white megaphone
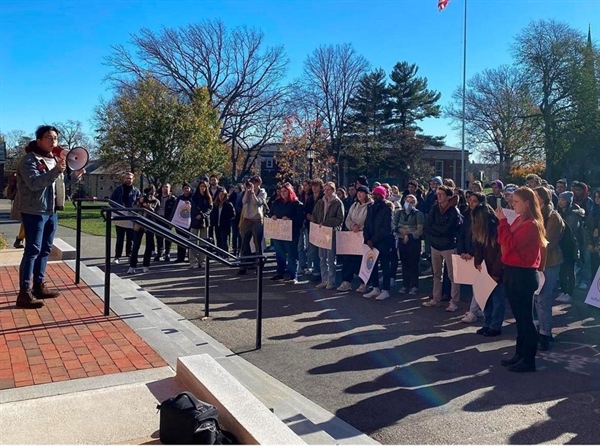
pixel 76 158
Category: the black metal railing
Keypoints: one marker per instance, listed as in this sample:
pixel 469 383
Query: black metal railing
pixel 184 238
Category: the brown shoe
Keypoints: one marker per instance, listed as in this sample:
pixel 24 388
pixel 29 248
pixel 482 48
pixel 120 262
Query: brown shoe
pixel 41 291
pixel 25 300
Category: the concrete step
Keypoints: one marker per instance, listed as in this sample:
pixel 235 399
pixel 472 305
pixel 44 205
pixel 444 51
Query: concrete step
pixel 308 420
pixel 172 336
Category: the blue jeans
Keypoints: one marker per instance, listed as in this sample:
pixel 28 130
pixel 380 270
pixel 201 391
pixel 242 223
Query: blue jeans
pixel 286 255
pixel 39 238
pixel 327 263
pixel 543 301
pixel 302 245
pixel 493 313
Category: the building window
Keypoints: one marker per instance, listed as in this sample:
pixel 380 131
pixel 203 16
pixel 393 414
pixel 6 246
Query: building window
pixel 269 163
pixel 439 168
pixel 101 177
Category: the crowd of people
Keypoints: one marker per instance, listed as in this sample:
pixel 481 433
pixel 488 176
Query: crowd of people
pixel 554 235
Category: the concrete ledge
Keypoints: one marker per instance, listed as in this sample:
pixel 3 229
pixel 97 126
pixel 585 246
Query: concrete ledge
pixel 240 411
pixel 62 250
pixel 10 256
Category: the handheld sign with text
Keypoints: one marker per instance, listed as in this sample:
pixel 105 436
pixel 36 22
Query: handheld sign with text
pixel 278 229
pixel 321 236
pixel 349 243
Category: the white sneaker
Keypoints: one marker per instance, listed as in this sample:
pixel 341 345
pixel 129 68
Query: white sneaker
pixel 145 269
pixel 330 286
pixel 321 285
pixel 479 314
pixel 131 271
pixel 307 271
pixel 431 303
pixel 383 295
pixel 403 290
pixel 362 288
pixel 193 265
pixel 452 307
pixel 373 293
pixel 414 290
pixel 564 298
pixel 345 286
pixel 469 318
pixel 116 261
pixel 291 281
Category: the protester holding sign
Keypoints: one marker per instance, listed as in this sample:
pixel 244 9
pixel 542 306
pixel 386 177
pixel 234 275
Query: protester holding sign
pixel 287 207
pixel 181 217
pixel 329 212
pixel 355 222
pixel 484 231
pixel 378 235
pixel 522 244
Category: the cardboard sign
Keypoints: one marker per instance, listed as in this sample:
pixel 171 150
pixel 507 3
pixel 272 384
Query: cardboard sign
pixel 278 229
pixel 593 295
pixel 321 236
pixel 349 243
pixel 368 262
pixel 182 218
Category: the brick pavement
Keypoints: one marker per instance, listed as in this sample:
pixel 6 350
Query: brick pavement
pixel 68 338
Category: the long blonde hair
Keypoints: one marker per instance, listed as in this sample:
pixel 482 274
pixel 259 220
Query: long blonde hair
pixel 533 211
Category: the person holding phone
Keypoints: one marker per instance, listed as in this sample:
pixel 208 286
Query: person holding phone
pixel 522 244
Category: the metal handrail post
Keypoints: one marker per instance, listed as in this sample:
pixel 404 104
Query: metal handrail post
pixel 206 286
pixel 259 302
pixel 78 243
pixel 107 264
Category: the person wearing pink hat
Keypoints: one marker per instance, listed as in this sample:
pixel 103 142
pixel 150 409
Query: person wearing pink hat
pixel 378 234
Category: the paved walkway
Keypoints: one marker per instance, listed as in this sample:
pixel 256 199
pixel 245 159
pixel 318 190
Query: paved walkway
pixel 68 338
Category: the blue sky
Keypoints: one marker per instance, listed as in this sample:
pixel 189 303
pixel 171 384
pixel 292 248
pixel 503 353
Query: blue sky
pixel 52 51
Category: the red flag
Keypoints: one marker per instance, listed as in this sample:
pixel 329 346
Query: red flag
pixel 442 4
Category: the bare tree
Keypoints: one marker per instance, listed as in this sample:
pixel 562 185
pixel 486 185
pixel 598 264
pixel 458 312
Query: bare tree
pixel 331 77
pixel 549 51
pixel 15 140
pixel 243 78
pixel 498 109
pixel 72 135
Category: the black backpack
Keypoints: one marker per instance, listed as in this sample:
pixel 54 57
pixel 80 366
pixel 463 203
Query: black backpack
pixel 568 244
pixel 184 419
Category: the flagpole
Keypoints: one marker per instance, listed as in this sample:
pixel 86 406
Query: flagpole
pixel 464 82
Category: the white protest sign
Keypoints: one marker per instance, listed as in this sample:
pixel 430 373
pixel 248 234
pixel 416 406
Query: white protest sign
pixel 464 271
pixel 368 262
pixel 593 295
pixel 510 215
pixel 321 236
pixel 278 229
pixel 182 218
pixel 349 243
pixel 483 286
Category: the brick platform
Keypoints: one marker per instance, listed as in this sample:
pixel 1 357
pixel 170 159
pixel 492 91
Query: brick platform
pixel 68 338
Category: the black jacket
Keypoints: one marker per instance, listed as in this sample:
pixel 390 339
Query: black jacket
pixel 200 207
pixel 294 210
pixel 378 225
pixel 442 228
pixel 227 214
pixel 464 241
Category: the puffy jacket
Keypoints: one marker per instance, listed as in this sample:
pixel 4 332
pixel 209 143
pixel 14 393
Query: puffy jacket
pixel 378 225
pixel 412 223
pixel 442 225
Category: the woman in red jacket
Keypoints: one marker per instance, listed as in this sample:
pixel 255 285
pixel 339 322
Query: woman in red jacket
pixel 522 244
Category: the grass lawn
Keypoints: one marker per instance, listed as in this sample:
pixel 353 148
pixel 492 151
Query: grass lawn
pixel 91 220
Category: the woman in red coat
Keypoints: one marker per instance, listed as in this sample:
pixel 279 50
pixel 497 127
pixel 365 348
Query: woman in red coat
pixel 522 244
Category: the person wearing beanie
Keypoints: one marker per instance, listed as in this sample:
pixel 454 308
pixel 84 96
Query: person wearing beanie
pixel 573 217
pixel 362 181
pixel 492 199
pixel 378 234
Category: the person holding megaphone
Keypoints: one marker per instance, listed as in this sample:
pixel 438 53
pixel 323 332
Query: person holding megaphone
pixel 40 193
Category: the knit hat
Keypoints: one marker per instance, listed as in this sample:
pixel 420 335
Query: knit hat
pixel 567 196
pixel 364 189
pixel 380 190
pixel 438 180
pixel 185 185
pixel 498 183
pixel 362 180
pixel 510 189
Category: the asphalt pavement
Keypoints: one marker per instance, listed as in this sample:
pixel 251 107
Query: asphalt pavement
pixel 402 373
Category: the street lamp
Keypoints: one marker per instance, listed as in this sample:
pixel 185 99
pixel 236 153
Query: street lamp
pixel 310 156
